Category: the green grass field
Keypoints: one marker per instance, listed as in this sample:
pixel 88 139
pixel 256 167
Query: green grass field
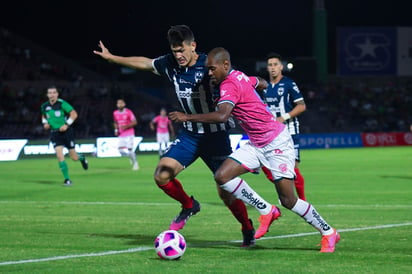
pixel 108 220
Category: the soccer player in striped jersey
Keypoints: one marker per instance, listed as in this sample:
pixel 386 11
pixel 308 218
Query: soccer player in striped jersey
pixel 186 70
pixel 270 145
pixel 285 102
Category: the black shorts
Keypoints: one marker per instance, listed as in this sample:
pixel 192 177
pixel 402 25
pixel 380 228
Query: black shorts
pixel 65 138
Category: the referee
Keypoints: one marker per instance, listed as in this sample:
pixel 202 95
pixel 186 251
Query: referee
pixel 58 116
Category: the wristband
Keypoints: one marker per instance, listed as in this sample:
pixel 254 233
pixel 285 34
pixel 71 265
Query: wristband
pixel 286 116
pixel 44 121
pixel 69 121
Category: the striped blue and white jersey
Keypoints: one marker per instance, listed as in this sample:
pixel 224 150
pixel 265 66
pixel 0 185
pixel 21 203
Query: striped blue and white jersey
pixel 192 90
pixel 282 98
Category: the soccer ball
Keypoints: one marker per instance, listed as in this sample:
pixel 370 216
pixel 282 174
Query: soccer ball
pixel 170 245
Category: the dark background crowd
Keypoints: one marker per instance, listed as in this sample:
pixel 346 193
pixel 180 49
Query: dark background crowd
pixel 342 104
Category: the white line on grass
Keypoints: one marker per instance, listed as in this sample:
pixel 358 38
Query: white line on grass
pixel 349 206
pixel 145 248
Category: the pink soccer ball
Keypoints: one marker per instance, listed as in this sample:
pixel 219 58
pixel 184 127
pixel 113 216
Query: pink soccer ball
pixel 170 245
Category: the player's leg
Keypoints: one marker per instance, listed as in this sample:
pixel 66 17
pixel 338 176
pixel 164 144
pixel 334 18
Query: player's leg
pixel 179 155
pixel 299 183
pixel 160 143
pixel 129 142
pixel 215 149
pixel 282 168
pixel 58 141
pixel 227 178
pixel 69 143
pixel 308 212
pixel 299 180
pixel 62 164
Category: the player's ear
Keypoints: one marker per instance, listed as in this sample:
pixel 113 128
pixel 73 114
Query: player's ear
pixel 193 46
pixel 226 65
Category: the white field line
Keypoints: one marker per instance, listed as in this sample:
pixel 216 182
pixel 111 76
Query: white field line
pixel 145 248
pixel 349 206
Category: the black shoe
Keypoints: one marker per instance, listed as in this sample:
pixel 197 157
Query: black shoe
pixel 85 164
pixel 67 182
pixel 184 215
pixel 249 236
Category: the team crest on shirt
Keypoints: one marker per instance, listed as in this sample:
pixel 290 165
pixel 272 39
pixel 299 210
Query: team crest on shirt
pixel 57 113
pixel 281 91
pixel 198 76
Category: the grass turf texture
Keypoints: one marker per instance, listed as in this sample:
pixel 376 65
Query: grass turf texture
pixel 48 228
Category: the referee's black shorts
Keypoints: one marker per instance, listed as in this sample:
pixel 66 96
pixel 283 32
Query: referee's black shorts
pixel 65 138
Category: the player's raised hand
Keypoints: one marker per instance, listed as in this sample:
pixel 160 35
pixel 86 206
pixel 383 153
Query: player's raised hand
pixel 104 53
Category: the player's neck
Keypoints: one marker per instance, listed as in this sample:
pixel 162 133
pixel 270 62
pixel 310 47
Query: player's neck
pixel 194 60
pixel 276 79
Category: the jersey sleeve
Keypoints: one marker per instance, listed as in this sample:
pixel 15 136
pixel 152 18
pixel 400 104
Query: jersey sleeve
pixel 161 64
pixel 228 93
pixel 66 107
pixel 295 92
pixel 132 117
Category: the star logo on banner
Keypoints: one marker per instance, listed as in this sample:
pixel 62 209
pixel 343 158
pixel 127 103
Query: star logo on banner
pixel 367 48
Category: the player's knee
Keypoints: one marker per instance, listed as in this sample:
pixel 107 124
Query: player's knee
pixel 124 152
pixel 288 202
pixel 163 175
pixel 220 177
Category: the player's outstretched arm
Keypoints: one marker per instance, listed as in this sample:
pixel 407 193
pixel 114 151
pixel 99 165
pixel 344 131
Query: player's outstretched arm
pixel 221 115
pixel 135 62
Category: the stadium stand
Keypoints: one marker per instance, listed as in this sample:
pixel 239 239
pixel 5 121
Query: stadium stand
pixel 350 104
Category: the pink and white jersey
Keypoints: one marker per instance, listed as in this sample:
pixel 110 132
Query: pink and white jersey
pixel 253 115
pixel 122 118
pixel 162 123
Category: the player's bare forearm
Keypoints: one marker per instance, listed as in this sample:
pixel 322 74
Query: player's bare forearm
pixel 135 62
pixel 218 116
pixel 262 84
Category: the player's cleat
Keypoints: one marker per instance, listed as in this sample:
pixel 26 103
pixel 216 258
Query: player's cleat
pixel 136 166
pixel 184 215
pixel 249 237
pixel 67 182
pixel 266 221
pixel 85 164
pixel 329 241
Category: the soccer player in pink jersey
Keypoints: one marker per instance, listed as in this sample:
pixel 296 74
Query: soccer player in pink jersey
pixel 270 145
pixel 164 129
pixel 124 123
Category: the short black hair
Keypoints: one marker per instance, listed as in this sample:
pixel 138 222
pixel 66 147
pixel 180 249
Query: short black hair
pixel 274 55
pixel 178 34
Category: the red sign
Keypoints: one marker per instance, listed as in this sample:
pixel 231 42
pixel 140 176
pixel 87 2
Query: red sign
pixel 386 139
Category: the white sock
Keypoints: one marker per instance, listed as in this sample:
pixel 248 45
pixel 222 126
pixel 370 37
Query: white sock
pixel 312 217
pixel 132 156
pixel 241 190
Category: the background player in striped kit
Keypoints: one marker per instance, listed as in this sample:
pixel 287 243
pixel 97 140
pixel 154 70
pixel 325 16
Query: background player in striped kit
pixel 186 71
pixel 285 102
pixel 124 123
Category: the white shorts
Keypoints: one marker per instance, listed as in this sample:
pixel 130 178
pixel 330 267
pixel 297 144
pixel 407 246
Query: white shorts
pixel 278 156
pixel 163 137
pixel 126 142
